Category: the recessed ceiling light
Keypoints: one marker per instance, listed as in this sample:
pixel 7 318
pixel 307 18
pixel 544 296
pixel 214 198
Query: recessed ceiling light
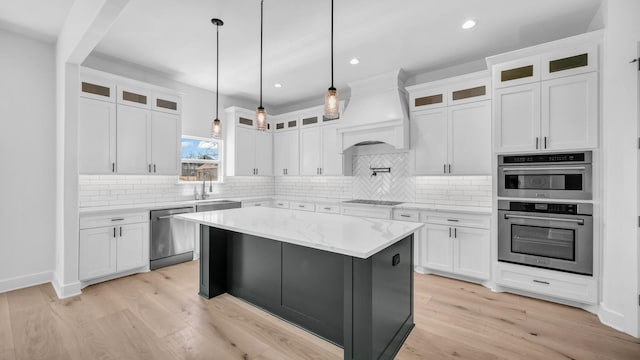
pixel 277 85
pixel 469 24
pixel 354 61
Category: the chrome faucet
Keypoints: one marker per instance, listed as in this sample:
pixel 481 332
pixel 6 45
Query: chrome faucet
pixel 203 194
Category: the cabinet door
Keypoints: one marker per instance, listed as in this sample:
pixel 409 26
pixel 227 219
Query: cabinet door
pixel 471 255
pixel 134 144
pixel 570 112
pixel 280 153
pixel 264 153
pixel 132 246
pixel 310 145
pixel 331 158
pixel 96 137
pixel 245 152
pixel 97 252
pixel 429 141
pixel 165 143
pixel 470 138
pixel 293 153
pixel 437 253
pixel 517 118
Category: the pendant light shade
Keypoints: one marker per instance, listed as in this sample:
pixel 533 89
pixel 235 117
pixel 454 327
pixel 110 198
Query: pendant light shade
pixel 216 127
pixel 261 113
pixel 332 100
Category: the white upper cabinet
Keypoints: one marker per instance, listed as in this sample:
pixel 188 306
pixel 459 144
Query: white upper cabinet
pixel 319 151
pixel 249 152
pixel 120 131
pixel 469 137
pixel 286 153
pixel 570 112
pixel 165 145
pixel 429 141
pixel 133 150
pixel 310 151
pixel 454 139
pixel 517 118
pixel 331 157
pixel 548 101
pixel 97 136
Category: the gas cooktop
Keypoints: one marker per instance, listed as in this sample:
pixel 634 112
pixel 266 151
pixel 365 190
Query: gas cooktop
pixel 373 202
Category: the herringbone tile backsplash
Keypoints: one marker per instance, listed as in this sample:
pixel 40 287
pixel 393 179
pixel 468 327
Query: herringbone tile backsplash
pixel 396 185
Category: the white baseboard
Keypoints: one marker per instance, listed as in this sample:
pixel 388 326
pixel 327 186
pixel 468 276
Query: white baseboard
pixel 65 290
pixel 25 281
pixel 613 319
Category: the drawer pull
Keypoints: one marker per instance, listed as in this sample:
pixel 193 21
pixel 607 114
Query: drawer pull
pixel 541 282
pixel 301 206
pixel 327 208
pixel 117 219
pixel 280 204
pixel 453 220
pixel 405 215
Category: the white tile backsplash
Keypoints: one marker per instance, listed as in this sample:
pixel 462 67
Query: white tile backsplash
pixel 110 190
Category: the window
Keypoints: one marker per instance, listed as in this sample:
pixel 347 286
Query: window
pixel 201 159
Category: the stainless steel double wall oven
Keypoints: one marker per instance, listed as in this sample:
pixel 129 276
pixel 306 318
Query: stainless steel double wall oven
pixel 556 234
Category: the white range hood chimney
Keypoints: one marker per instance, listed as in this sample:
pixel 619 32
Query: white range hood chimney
pixel 376 112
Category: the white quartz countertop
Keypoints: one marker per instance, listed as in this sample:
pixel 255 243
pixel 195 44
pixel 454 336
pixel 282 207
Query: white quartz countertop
pixel 444 208
pixel 346 235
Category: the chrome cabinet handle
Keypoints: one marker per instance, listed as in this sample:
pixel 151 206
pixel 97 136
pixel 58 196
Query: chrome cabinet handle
pixel 154 168
pixel 327 208
pixel 444 168
pixel 120 231
pixel 449 232
pixel 117 219
pixel 545 142
pixel 405 215
pixel 541 282
pixel 536 143
pixel 576 221
pixel 114 233
pixel 149 167
pixel 449 168
pixel 113 167
pixel 453 220
pixel 455 233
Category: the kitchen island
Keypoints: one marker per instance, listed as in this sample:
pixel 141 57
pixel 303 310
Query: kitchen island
pixel 346 279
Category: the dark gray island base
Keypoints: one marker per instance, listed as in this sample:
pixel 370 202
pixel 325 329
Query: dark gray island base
pixel 362 305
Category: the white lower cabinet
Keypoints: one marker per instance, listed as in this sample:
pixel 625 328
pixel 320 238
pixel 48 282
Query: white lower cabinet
pixel 457 244
pixel 112 243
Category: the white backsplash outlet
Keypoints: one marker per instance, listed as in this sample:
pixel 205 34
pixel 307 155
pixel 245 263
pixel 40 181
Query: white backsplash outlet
pixel 112 190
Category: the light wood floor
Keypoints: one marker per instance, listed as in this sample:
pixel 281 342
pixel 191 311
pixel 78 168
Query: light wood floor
pixel 158 315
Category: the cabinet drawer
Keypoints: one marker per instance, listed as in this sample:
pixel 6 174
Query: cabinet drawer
pixel 456 219
pixel 578 288
pixel 327 208
pixel 406 215
pixel 112 219
pixel 304 206
pixel 281 204
pixel 367 211
pixel 266 203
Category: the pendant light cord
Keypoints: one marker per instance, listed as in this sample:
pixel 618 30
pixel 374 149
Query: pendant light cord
pixel 261 26
pixel 332 44
pixel 217 65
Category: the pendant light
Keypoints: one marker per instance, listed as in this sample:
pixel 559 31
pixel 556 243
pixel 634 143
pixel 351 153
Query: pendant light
pixel 332 100
pixel 261 114
pixel 216 128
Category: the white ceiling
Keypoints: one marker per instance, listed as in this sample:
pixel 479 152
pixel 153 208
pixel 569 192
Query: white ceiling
pixel 177 38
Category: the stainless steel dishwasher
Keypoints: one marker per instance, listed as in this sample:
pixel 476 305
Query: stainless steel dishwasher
pixel 172 241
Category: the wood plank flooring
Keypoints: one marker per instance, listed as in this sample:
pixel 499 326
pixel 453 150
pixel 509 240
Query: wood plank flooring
pixel 158 315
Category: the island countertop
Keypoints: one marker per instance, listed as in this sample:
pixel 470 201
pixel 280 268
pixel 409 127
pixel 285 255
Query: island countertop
pixel 341 234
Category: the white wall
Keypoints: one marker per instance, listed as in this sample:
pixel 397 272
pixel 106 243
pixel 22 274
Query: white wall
pixel 27 160
pixel 619 307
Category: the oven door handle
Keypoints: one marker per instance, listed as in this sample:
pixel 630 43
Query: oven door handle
pixel 577 221
pixel 526 168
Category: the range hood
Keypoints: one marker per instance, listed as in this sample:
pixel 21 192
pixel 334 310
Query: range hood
pixel 377 112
